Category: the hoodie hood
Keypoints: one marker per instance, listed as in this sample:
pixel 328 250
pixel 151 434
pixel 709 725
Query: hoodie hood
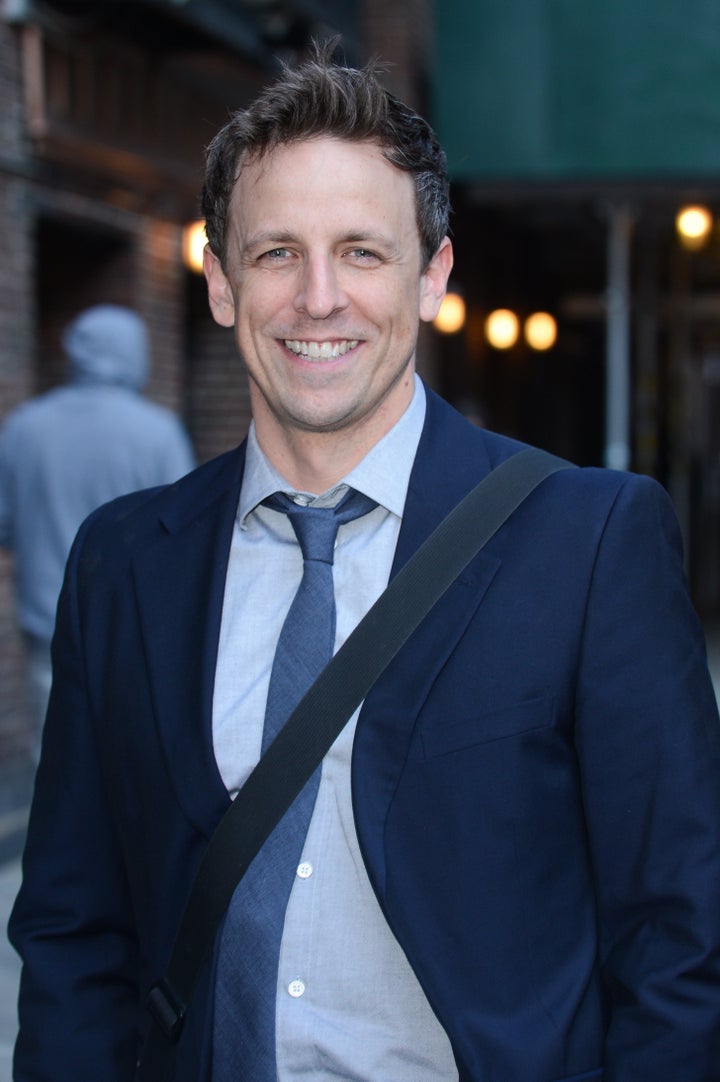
pixel 108 344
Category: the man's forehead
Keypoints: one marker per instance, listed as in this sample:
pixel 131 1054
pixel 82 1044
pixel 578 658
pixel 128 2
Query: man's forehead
pixel 324 200
pixel 256 165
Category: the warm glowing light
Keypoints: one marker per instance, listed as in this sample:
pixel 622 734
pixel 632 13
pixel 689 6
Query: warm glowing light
pixel 193 245
pixel 502 328
pixel 451 317
pixel 693 225
pixel 540 331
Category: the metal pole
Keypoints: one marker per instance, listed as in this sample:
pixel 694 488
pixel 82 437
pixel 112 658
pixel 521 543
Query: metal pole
pixel 617 360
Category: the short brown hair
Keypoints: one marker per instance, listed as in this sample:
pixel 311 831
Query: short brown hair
pixel 321 97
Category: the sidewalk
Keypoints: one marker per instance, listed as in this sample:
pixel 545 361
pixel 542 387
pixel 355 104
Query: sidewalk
pixel 15 788
pixel 9 969
pixel 10 883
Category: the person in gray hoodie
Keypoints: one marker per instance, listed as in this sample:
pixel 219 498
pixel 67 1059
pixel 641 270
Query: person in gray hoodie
pixel 64 453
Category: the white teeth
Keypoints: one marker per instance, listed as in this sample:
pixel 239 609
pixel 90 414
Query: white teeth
pixel 320 350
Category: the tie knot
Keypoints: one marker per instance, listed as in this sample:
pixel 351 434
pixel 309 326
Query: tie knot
pixel 316 527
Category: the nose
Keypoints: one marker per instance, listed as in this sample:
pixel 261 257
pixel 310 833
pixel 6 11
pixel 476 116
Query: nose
pixel 319 290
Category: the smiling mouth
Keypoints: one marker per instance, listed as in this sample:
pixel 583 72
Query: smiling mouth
pixel 320 351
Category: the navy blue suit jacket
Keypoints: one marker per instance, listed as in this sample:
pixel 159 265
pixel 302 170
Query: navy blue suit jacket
pixel 536 782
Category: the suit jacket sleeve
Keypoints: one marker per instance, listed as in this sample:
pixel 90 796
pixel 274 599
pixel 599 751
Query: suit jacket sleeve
pixel 648 742
pixel 72 922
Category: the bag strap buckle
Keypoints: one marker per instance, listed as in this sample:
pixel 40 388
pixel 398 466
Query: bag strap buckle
pixel 167 1009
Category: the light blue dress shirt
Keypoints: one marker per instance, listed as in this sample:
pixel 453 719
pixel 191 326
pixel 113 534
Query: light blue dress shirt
pixel 348 1003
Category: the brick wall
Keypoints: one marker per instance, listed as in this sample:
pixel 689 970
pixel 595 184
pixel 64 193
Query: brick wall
pixel 218 399
pixel 218 402
pixel 47 274
pixel 16 345
pixel 159 298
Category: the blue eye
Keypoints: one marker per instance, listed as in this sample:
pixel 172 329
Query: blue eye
pixel 364 255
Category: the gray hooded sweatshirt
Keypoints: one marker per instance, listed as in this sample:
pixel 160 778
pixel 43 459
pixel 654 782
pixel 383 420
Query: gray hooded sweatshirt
pixel 64 453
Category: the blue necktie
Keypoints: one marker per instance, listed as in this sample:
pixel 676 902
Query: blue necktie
pixel 246 984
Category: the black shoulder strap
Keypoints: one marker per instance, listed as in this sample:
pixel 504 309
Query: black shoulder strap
pixel 317 721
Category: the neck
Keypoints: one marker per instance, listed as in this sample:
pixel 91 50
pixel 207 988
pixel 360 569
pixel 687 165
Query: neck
pixel 313 460
pixel 310 461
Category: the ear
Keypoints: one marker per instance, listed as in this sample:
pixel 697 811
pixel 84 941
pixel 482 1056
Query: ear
pixel 433 282
pixel 222 303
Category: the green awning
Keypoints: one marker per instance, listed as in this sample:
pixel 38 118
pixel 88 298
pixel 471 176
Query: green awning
pixel 568 89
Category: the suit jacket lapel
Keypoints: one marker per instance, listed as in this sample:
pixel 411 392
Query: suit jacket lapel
pixel 450 461
pixel 180 583
pixel 452 458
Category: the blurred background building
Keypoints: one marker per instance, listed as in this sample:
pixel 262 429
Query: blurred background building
pixel 575 135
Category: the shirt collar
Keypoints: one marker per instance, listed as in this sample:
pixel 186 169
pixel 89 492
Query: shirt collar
pixel 383 474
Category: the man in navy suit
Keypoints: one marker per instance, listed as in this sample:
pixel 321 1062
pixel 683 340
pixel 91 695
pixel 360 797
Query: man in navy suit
pixel 512 868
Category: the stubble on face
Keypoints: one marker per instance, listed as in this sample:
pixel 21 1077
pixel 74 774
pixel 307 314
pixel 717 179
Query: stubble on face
pixel 325 270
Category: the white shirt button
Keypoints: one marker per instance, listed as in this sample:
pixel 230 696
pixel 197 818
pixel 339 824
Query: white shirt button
pixel 296 988
pixel 305 870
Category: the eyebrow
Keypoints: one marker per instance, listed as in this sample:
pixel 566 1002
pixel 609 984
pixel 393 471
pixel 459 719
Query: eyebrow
pixel 369 238
pixel 276 238
pixel 272 238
